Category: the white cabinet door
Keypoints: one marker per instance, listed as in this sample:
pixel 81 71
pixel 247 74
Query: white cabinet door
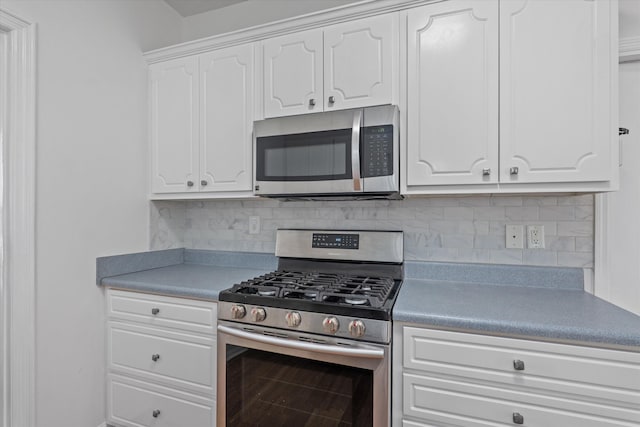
pixel 174 125
pixel 555 94
pixel 293 74
pixel 359 60
pixel 452 99
pixel 226 111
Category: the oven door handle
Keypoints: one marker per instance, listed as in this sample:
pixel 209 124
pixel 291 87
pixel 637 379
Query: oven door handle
pixel 370 353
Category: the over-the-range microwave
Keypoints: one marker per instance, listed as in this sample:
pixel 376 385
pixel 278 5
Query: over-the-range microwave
pixel 337 154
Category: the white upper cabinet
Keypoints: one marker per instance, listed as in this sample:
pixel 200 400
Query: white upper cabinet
pixel 342 66
pixel 359 62
pixel 174 125
pixel 293 74
pixel 226 111
pixel 556 90
pixel 511 96
pixel 452 79
pixel 201 123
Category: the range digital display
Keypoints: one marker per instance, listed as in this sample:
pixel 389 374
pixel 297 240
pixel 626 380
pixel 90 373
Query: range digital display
pixel 335 241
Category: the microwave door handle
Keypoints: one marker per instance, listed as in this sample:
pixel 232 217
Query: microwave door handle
pixel 355 150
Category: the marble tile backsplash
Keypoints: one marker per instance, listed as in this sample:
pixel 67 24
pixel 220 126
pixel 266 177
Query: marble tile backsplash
pixel 454 229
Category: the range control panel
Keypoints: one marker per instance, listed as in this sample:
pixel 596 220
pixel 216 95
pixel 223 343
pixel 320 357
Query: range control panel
pixel 336 241
pixel 377 151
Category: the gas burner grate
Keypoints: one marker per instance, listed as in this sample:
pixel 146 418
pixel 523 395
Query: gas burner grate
pixel 345 289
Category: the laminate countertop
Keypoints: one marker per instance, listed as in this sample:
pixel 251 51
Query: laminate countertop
pixel 182 272
pixel 521 302
pixel 539 303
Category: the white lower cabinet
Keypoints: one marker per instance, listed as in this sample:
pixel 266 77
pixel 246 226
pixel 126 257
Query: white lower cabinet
pixel 449 379
pixel 161 361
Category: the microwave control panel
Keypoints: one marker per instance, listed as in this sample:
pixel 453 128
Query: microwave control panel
pixel 377 151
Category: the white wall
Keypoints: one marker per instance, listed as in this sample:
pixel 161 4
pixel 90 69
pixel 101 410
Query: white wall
pixel 622 287
pixel 629 18
pixel 250 13
pixel 91 182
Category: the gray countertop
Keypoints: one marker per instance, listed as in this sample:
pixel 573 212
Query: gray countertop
pixel 179 272
pixel 516 301
pixel 518 311
pixel 186 280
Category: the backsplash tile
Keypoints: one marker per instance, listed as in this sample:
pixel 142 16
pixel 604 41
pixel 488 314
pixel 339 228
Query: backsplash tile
pixel 453 229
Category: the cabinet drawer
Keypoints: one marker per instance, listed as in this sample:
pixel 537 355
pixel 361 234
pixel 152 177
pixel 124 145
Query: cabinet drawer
pixel 414 385
pixel 172 358
pixel 597 374
pixel 448 402
pixel 192 315
pixel 134 403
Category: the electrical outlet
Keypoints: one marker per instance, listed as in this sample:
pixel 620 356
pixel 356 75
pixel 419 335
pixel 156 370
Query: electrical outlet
pixel 254 225
pixel 535 236
pixel 515 237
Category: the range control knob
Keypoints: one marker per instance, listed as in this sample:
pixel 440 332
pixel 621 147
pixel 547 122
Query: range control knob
pixel 258 314
pixel 357 328
pixel 238 311
pixel 330 325
pixel 293 319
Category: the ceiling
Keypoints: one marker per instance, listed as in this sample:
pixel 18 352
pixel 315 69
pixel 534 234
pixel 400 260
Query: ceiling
pixel 193 7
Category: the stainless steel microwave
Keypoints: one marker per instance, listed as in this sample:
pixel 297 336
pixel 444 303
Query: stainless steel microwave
pixel 352 153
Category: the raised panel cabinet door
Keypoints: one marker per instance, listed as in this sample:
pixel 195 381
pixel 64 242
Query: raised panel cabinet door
pixel 556 87
pixel 174 125
pixel 452 113
pixel 360 59
pixel 226 110
pixel 293 74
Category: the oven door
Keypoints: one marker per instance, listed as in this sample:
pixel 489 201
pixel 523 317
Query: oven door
pixel 271 378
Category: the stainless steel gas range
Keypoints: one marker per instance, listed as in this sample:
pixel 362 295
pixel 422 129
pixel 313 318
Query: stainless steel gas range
pixel 309 344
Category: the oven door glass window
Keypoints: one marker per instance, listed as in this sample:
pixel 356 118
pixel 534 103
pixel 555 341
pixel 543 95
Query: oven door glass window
pixel 268 389
pixel 316 156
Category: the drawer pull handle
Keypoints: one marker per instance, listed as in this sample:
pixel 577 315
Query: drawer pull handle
pixel 155 311
pixel 156 413
pixel 518 418
pixel 518 365
pixel 155 357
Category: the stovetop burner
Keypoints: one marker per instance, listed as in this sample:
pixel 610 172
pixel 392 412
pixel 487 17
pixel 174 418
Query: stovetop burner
pixel 333 293
pixel 320 287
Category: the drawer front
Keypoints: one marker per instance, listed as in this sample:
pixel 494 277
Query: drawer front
pixel 135 404
pixel 191 315
pixel 460 404
pixel 598 374
pixel 176 359
pixel 518 397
